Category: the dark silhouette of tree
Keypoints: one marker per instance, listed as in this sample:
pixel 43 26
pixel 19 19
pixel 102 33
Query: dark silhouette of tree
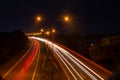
pixel 107 52
pixel 1 77
pixel 11 44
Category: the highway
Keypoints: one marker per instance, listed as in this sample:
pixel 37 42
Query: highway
pixel 59 63
pixel 74 66
pixel 35 64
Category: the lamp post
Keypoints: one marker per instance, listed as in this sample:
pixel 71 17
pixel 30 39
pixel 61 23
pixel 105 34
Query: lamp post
pixel 47 35
pixel 69 23
pixel 42 32
pixel 53 31
pixel 38 19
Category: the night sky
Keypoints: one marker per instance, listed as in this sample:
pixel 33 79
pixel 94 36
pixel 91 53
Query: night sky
pixel 88 16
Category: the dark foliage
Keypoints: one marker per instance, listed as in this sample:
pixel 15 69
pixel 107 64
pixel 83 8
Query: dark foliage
pixel 103 49
pixel 107 52
pixel 11 43
pixel 1 78
pixel 78 43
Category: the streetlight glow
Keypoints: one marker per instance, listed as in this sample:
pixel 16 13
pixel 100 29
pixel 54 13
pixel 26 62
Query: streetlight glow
pixel 38 18
pixel 66 18
pixel 42 30
pixel 53 30
pixel 47 32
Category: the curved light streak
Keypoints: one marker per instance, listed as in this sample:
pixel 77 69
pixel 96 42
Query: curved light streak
pixel 71 57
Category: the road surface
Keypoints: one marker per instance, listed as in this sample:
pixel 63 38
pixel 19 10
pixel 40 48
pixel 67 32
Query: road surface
pixel 24 66
pixel 35 64
pixel 75 67
pixel 60 64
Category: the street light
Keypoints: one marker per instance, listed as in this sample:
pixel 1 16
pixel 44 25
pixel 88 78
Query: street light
pixel 47 32
pixel 66 18
pixel 53 31
pixel 42 30
pixel 39 18
pixel 69 22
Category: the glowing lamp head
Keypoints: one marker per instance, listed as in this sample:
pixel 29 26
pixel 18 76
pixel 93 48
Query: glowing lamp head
pixel 42 30
pixel 38 18
pixel 47 32
pixel 53 30
pixel 66 18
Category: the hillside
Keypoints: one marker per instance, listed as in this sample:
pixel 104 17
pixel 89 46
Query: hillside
pixel 11 43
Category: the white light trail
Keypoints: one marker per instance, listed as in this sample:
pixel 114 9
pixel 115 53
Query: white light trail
pixel 78 62
pixel 67 67
pixel 81 67
pixel 68 63
pixel 71 57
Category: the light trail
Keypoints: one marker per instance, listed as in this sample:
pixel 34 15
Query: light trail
pixel 67 67
pixel 80 67
pixel 17 62
pixel 73 59
pixel 34 73
pixel 78 63
pixel 22 73
pixel 68 63
pixel 21 69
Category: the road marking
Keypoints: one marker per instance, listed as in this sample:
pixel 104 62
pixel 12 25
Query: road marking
pixel 17 62
pixel 65 60
pixel 55 65
pixel 35 68
pixel 67 67
pixel 64 70
pixel 43 64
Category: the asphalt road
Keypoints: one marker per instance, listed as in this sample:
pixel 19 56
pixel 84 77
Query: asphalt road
pixel 48 69
pixel 36 64
pixel 74 66
pixel 24 66
pixel 48 61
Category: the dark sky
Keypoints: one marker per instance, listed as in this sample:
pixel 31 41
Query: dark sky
pixel 88 16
